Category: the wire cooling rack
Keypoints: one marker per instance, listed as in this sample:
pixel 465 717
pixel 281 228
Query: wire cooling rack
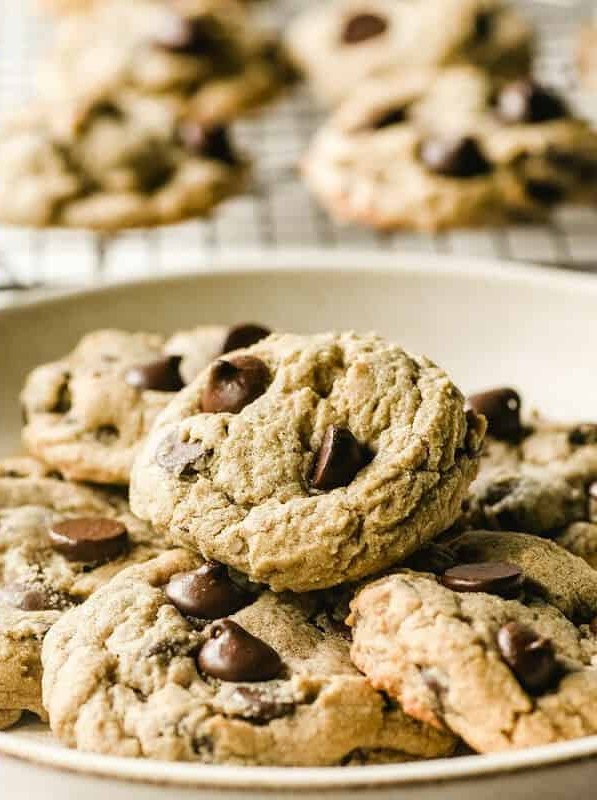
pixel 277 212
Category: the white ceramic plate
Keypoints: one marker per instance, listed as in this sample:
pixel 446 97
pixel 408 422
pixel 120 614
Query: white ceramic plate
pixel 488 323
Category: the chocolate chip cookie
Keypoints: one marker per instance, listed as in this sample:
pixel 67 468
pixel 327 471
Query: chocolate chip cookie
pixel 205 59
pixel 454 148
pixel 58 543
pixel 536 476
pixel 496 651
pixel 86 414
pixel 308 461
pixel 338 45
pixel 113 164
pixel 176 660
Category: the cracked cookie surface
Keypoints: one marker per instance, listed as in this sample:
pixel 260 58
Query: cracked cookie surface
pixel 87 413
pixel 39 582
pixel 122 676
pixel 396 155
pixel 260 489
pixel 339 45
pixel 459 659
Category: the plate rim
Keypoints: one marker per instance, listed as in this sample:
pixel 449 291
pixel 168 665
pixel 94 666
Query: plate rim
pixel 287 779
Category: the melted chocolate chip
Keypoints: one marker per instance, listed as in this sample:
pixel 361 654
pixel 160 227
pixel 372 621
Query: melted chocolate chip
pixel 180 458
pixel 362 27
pixel 525 101
pixel 161 375
pixel 547 193
pixel 530 656
pixel 455 158
pixel 338 460
pixel 261 706
pixel 583 434
pixel 233 384
pixel 492 577
pixel 502 409
pixel 484 25
pixel 233 654
pixel 393 116
pixel 89 539
pixel 63 402
pixel 244 335
pixel 211 142
pixel 207 593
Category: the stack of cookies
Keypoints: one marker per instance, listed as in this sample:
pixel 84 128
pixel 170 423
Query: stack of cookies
pixel 324 561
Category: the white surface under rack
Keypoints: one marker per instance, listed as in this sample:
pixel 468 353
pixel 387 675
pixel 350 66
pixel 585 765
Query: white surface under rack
pixel 277 212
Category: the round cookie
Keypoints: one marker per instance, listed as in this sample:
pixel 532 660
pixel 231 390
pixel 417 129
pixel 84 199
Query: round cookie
pixel 58 542
pixel 203 59
pixel 308 461
pixel 87 413
pixel 450 148
pixel 128 674
pixel 339 45
pixel 110 164
pixel 501 673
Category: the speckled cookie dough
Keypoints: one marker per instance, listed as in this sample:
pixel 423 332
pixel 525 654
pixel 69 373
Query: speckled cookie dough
pixel 58 543
pixel 501 673
pixel 87 413
pixel 338 45
pixel 452 148
pixel 307 461
pixel 128 673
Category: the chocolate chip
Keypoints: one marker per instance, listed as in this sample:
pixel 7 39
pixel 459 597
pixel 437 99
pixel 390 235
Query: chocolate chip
pixel 233 384
pixel 530 656
pixel 89 538
pixel 492 577
pixel 454 158
pixel 63 402
pixel 261 706
pixel 525 101
pixel 207 593
pixel 502 409
pixel 244 335
pixel 25 598
pixel 547 193
pixel 362 27
pixel 233 654
pixel 338 460
pixel 161 375
pixel 208 142
pixel 180 458
pixel 583 434
pixel 187 36
pixel 484 25
pixel 394 116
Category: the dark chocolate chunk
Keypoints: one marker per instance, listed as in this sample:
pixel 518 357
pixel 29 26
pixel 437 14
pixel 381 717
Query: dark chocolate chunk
pixel 234 654
pixel 530 656
pixel 492 577
pixel 502 409
pixel 525 101
pixel 244 335
pixel 454 158
pixel 89 539
pixel 161 375
pixel 233 384
pixel 338 460
pixel 363 27
pixel 207 593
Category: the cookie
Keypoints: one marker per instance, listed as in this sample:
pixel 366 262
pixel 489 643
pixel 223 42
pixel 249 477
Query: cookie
pixel 536 477
pixel 58 543
pixel 308 461
pixel 454 148
pixel 203 59
pixel 339 45
pixel 113 165
pixel 487 649
pixel 587 56
pixel 87 413
pixel 174 660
